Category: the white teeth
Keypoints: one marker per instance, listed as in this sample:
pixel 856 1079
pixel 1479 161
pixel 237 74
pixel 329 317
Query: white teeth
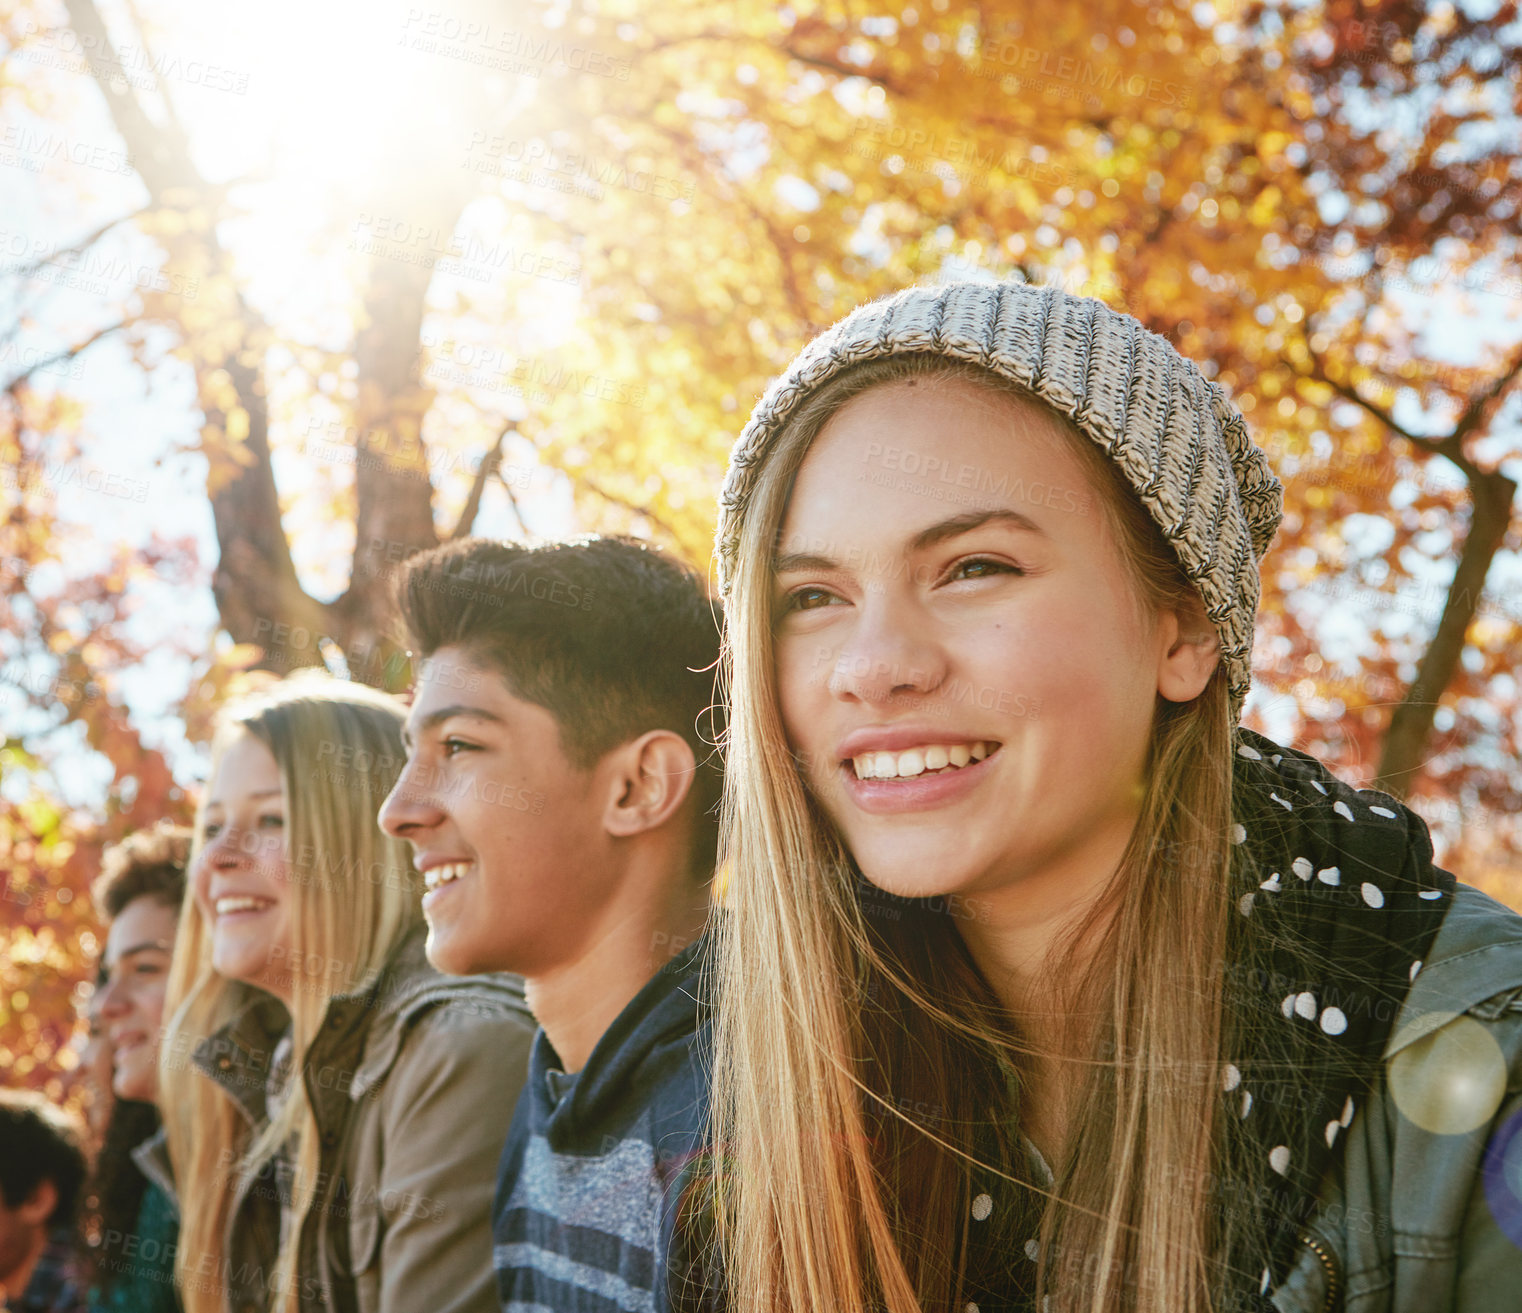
pixel 916 761
pixel 241 904
pixel 437 876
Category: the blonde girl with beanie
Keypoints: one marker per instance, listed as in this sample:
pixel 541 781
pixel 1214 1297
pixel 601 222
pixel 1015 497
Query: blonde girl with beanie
pixel 1041 982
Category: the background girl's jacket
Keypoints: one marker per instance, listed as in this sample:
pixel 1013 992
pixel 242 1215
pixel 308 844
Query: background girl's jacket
pixel 147 1284
pixel 1424 1211
pixel 413 1084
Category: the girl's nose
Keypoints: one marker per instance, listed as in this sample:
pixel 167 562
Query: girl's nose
pixel 111 1002
pixel 890 651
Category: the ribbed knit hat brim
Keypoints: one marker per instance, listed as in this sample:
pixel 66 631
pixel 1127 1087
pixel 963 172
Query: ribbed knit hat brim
pixel 1180 442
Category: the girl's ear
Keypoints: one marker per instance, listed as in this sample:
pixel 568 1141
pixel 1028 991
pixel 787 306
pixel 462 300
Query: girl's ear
pixel 1189 649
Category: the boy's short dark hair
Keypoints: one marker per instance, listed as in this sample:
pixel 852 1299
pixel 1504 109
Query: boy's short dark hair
pixel 147 864
pixel 40 1142
pixel 610 635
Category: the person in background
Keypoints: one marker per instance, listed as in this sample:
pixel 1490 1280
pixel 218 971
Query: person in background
pixel 139 891
pixel 42 1166
pixel 558 797
pixel 334 1106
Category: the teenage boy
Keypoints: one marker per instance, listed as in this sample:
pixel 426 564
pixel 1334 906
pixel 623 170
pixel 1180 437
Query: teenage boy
pixel 42 1167
pixel 138 893
pixel 560 796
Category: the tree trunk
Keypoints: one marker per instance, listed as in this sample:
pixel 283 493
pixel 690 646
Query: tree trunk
pixel 259 599
pixel 393 488
pixel 1401 756
pixel 419 199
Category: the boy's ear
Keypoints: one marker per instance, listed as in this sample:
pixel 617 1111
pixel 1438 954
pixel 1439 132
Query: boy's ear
pixel 650 779
pixel 1190 650
pixel 38 1206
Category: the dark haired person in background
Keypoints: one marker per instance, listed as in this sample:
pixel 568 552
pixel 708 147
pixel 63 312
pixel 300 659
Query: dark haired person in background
pixel 42 1165
pixel 141 885
pixel 558 796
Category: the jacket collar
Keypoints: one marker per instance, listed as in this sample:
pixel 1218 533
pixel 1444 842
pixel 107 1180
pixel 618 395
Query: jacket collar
pixel 152 1160
pixel 240 1055
pixel 1477 954
pixel 408 987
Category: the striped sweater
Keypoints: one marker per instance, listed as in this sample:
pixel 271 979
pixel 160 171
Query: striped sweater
pixel 584 1219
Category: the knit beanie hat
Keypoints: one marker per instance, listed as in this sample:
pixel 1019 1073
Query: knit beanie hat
pixel 1182 445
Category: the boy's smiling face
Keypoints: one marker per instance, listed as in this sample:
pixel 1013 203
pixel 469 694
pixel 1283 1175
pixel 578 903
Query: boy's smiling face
pixel 506 831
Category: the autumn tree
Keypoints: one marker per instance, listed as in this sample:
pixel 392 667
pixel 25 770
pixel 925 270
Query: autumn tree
pixel 593 232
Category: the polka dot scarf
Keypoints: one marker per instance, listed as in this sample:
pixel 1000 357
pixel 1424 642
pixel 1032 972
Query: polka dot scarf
pixel 1333 914
pixel 1333 910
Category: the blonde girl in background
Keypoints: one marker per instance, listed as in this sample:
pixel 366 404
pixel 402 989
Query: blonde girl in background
pixel 334 1107
pixel 1042 983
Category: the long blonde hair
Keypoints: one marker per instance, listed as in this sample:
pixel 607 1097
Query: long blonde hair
pixel 354 899
pixel 862 1063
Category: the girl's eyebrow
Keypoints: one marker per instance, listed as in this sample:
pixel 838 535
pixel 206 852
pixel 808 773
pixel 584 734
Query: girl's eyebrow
pixel 929 537
pixel 970 520
pixel 801 561
pixel 149 946
pixel 262 793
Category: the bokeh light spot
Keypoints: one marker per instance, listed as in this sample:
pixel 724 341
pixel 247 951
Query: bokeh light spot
pixel 1452 1080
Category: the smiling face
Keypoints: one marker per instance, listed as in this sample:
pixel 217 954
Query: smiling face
pixel 138 950
pixel 241 880
pixel 507 832
pixel 962 667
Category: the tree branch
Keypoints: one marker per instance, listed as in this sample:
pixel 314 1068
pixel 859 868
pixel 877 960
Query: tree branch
pixel 67 354
pixel 1451 445
pixel 840 68
pixel 614 499
pixel 1491 495
pixel 258 595
pixel 1475 410
pixel 513 502
pixel 686 150
pixel 161 155
pixel 78 248
pixel 489 466
pixel 1347 392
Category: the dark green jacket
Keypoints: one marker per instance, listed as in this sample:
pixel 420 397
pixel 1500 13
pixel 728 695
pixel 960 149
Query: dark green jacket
pixel 1424 1213
pixel 147 1284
